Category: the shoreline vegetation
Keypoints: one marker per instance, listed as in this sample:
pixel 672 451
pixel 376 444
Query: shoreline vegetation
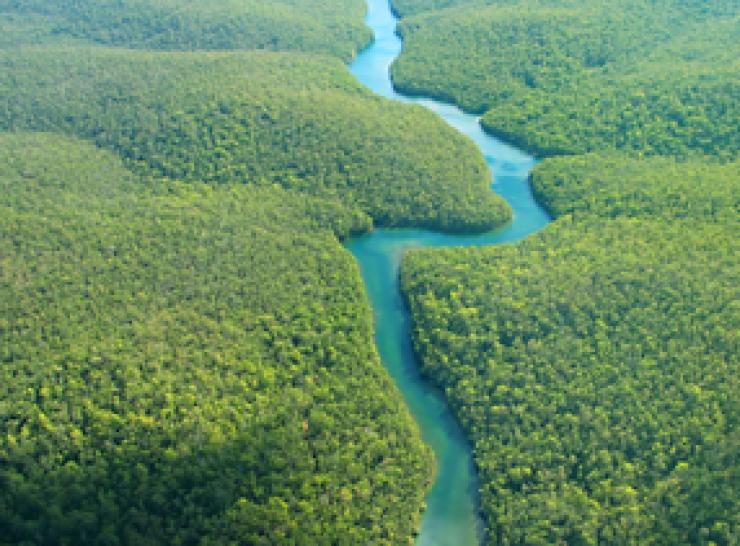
pixel 208 117
pixel 593 366
pixel 188 359
pixel 306 26
pixel 556 79
pixel 187 348
pixel 189 363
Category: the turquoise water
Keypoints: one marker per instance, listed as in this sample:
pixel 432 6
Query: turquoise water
pixel 451 517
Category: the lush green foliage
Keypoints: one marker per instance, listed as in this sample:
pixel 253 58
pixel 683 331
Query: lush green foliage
pixel 303 25
pixel 21 29
pixel 569 77
pixel 189 363
pixel 405 8
pixel 613 185
pixel 193 364
pixel 184 364
pixel 696 7
pixel 594 366
pixel 300 121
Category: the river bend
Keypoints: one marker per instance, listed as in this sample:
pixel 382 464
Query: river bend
pixel 452 516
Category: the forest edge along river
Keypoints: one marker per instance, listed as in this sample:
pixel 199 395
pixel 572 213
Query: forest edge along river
pixel 451 517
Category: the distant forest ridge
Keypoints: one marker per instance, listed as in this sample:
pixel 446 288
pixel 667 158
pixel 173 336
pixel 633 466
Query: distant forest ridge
pixel 335 28
pixel 648 78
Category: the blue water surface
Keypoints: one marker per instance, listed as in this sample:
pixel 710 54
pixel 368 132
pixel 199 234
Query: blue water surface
pixel 452 515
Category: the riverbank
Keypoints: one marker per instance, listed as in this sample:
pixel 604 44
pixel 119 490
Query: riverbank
pixel 452 515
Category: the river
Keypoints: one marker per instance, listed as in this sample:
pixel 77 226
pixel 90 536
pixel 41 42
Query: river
pixel 452 516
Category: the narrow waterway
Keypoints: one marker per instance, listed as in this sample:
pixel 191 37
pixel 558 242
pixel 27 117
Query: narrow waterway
pixel 451 517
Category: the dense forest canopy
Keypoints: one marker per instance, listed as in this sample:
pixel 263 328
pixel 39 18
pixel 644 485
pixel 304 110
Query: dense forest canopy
pixel 187 349
pixel 595 369
pixel 611 185
pixel 696 8
pixel 650 78
pixel 296 25
pixel 594 366
pixel 259 118
pixel 188 364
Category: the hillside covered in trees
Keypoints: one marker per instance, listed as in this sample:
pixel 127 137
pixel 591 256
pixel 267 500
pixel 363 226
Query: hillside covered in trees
pixel 187 348
pixel 258 118
pixel 611 185
pixel 188 364
pixel 595 366
pixel 287 25
pixel 569 77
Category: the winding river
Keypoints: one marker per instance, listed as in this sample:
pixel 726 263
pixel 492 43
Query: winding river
pixel 452 516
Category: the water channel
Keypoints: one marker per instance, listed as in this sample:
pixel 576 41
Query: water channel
pixel 452 516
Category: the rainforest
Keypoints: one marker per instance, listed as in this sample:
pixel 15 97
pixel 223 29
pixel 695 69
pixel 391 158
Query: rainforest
pixel 225 317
